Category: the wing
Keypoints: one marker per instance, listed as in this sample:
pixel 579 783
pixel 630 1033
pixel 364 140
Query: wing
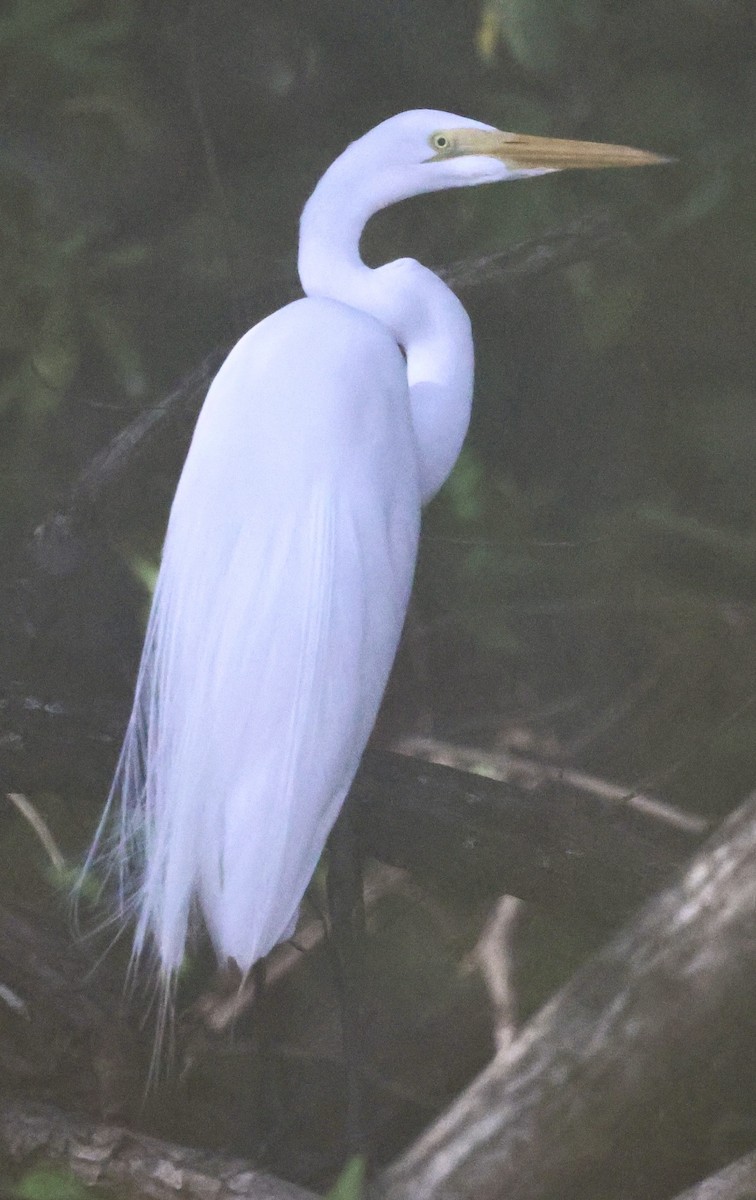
pixel 286 573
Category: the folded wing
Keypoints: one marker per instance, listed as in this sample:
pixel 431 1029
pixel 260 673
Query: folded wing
pixel 285 578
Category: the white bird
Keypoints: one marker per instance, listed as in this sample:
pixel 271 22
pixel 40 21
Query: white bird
pixel 290 551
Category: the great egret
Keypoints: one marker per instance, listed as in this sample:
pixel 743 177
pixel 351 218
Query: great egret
pixel 290 551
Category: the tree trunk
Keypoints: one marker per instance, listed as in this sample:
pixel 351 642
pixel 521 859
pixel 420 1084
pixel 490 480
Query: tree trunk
pixel 614 1088
pixel 736 1182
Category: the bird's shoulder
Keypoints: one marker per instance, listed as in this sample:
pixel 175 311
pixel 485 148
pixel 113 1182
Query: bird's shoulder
pixel 316 372
pixel 322 328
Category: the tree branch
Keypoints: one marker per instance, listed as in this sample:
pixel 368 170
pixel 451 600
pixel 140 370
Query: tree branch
pixel 137 1165
pixel 587 235
pixel 582 1089
pixel 736 1182
pixel 105 473
pixel 541 834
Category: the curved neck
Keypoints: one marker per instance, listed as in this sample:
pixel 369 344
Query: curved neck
pixel 425 317
pixel 333 219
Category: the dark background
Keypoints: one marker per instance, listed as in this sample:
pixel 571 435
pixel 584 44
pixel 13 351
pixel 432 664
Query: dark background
pixel 585 590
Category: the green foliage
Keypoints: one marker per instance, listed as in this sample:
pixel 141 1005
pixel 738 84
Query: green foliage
pixel 63 34
pixel 45 1184
pixel 539 36
pixel 57 304
pixel 72 116
pixel 350 1184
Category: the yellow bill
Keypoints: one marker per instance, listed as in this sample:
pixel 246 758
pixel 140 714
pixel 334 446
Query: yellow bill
pixel 523 151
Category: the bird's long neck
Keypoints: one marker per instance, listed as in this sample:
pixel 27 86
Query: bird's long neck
pixel 425 317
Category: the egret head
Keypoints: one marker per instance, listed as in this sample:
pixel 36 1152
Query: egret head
pixel 426 150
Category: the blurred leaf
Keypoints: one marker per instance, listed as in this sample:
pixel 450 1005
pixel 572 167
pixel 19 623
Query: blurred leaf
pixel 116 339
pixel 63 31
pixel 692 530
pixel 128 257
pixel 351 1182
pixel 492 630
pixel 533 32
pixel 606 306
pixel 44 1184
pixel 127 116
pixel 463 488
pixel 700 202
pixel 146 571
pixel 675 104
pixel 56 354
pixel 487 35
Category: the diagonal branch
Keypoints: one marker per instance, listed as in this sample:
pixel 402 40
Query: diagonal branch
pixel 735 1182
pixel 538 834
pixel 661 1021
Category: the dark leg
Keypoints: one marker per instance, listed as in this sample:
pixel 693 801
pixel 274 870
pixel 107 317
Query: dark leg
pixel 271 1106
pixel 347 926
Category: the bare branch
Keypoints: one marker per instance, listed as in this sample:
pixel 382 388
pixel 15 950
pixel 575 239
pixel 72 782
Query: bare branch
pixel 495 956
pixel 541 832
pixel 106 471
pixel 540 835
pixel 580 239
pixel 137 1165
pixel 532 773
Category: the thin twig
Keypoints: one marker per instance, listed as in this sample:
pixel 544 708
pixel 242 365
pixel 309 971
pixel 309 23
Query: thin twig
pixel 40 827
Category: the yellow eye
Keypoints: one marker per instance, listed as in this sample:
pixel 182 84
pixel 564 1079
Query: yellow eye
pixel 440 141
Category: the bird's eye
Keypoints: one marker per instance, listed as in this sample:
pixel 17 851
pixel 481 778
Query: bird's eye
pixel 440 141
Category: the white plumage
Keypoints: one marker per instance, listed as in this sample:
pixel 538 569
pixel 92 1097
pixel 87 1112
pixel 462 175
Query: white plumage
pixel 289 556
pixel 281 597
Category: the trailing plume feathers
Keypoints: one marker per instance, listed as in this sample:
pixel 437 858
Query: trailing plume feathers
pixel 285 576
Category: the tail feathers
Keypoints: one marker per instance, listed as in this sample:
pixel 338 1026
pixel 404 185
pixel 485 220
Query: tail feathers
pixel 255 697
pixel 220 804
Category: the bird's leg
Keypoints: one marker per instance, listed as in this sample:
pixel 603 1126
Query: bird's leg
pixel 272 1106
pixel 346 911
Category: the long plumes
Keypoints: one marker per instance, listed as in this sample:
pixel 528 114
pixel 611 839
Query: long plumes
pixel 181 820
pixel 275 620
